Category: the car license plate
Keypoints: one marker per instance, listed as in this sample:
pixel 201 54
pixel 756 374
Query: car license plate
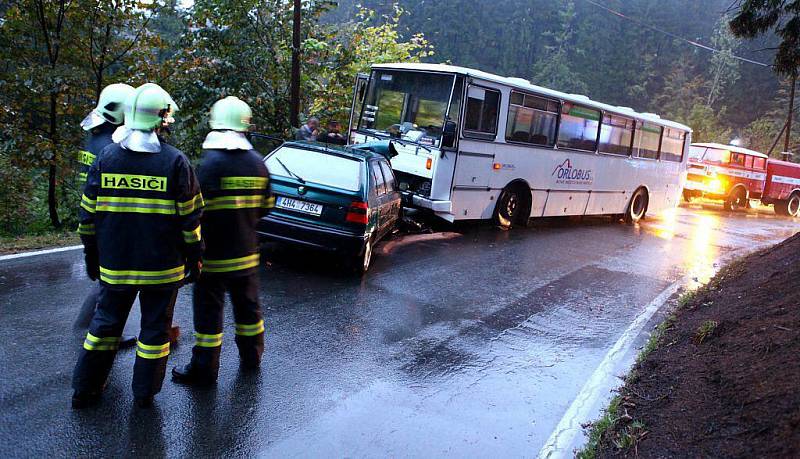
pixel 299 206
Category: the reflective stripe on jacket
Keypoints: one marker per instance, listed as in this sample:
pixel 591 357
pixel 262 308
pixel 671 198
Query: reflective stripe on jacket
pixel 141 212
pixel 236 190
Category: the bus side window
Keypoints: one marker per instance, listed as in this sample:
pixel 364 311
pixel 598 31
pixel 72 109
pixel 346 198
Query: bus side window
pixel 480 120
pixel 672 145
pixel 579 127
pixel 531 119
pixel 648 139
pixel 616 135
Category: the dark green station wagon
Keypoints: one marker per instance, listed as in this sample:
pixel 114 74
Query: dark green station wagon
pixel 331 198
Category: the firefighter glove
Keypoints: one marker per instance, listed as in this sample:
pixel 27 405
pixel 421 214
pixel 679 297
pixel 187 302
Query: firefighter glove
pixel 92 265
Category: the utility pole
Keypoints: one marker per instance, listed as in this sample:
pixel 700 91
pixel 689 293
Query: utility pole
pixel 791 113
pixel 294 94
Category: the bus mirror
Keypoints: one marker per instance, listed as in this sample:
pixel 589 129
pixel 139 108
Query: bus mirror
pixel 449 134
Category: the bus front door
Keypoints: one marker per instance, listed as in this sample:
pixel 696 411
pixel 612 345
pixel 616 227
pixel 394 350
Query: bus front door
pixel 359 92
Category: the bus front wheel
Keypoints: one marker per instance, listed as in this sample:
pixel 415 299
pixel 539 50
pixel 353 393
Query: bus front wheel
pixel 513 206
pixel 637 207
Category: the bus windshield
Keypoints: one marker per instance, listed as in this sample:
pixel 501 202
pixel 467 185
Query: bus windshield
pixel 409 104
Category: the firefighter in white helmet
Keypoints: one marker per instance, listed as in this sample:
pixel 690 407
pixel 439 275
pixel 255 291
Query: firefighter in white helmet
pixel 99 125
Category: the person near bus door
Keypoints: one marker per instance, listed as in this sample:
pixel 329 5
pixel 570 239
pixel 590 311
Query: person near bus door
pixel 235 183
pixel 140 227
pixel 99 125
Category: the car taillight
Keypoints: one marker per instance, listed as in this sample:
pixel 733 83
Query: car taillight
pixel 358 212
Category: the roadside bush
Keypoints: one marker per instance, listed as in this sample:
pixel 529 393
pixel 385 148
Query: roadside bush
pixel 16 200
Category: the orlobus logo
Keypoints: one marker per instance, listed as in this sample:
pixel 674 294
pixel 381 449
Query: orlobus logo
pixel 565 173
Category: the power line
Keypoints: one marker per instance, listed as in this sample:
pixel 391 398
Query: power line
pixel 672 35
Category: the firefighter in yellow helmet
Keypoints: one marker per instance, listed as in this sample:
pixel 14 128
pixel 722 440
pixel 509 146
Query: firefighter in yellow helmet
pixel 140 227
pixel 235 182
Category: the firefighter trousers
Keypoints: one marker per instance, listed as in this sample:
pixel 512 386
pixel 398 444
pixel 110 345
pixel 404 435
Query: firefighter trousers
pixel 209 312
pixel 102 340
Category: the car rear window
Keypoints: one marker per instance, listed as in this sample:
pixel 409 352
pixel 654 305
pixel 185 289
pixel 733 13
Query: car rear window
pixel 317 167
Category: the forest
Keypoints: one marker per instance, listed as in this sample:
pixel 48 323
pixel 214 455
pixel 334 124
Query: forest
pixel 646 54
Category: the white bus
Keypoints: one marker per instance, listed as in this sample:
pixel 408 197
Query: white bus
pixel 514 150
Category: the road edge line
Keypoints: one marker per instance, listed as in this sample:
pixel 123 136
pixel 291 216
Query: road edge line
pixel 569 427
pixel 39 252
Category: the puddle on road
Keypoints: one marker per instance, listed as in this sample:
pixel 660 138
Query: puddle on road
pixel 583 309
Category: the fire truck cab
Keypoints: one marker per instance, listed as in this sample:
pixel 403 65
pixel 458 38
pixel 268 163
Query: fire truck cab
pixel 727 173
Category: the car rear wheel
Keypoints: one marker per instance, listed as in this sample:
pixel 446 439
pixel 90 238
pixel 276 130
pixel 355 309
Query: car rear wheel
pixel 360 263
pixel 737 200
pixel 637 207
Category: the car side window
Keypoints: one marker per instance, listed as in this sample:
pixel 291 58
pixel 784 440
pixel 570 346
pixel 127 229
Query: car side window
pixel 388 175
pixel 380 183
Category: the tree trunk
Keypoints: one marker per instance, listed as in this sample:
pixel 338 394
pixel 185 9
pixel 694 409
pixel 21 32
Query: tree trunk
pixel 294 95
pixel 52 200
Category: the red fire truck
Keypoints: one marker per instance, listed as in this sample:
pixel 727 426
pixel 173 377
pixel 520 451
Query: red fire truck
pixel 726 173
pixel 783 187
pixel 736 175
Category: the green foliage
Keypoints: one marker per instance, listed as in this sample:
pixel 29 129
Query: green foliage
pixel 757 17
pixel 658 334
pixel 707 125
pixel 63 54
pixel 600 429
pixel 705 330
pixel 554 69
pixel 724 68
pixel 369 40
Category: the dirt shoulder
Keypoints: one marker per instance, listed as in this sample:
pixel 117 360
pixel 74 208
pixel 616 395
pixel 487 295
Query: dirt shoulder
pixel 722 379
pixel 10 245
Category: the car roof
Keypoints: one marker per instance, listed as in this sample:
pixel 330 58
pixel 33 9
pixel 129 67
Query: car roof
pixel 339 150
pixel 732 148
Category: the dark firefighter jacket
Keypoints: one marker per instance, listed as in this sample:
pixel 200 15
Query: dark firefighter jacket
pixel 141 212
pixel 235 184
pixel 97 139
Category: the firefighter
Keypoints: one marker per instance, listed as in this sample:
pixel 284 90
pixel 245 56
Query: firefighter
pixel 235 182
pixel 100 125
pixel 140 227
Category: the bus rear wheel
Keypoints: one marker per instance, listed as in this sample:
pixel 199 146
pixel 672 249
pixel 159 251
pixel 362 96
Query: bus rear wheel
pixel 513 206
pixel 637 207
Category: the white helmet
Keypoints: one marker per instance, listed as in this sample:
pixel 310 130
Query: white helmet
pixel 110 108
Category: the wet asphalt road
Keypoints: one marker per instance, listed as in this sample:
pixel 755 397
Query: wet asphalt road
pixel 468 342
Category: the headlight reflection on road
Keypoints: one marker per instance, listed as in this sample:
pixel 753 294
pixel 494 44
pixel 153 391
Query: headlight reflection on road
pixel 667 223
pixel 702 252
